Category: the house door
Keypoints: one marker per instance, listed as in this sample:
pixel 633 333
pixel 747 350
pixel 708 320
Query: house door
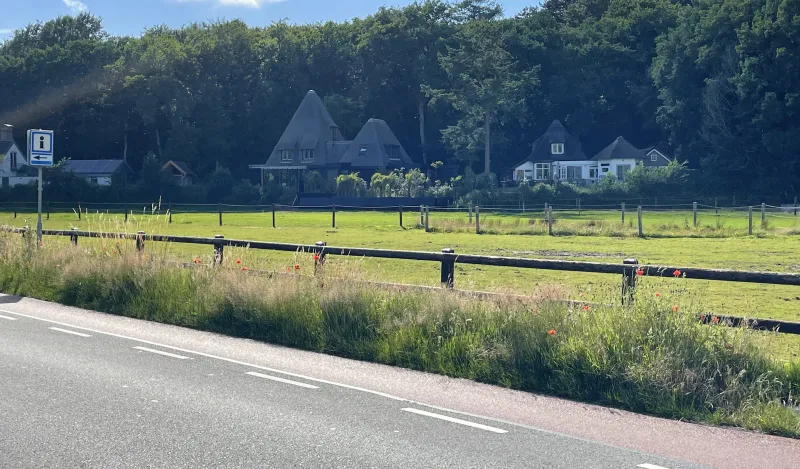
pixel 621 170
pixel 573 173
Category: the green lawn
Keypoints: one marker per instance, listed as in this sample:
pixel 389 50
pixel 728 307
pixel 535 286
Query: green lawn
pixel 769 251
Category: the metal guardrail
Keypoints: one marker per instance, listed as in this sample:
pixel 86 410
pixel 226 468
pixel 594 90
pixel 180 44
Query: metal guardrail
pixel 629 269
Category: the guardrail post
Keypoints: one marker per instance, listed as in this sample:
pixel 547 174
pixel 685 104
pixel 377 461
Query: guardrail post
pixel 73 237
pixel 448 267
pixel 273 215
pixel 550 221
pixel 477 219
pixel 219 249
pixel 219 207
pixel 427 216
pixel 333 216
pixel 629 280
pixel 763 214
pixel 140 241
pixel 400 213
pixel 639 217
pixel 694 213
pixel 749 220
pixel 622 210
pixel 319 256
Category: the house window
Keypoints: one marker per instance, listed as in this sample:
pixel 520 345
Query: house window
pixel 592 173
pixel 333 133
pixel 557 148
pixel 542 171
pixel 286 156
pixel 653 157
pixel 574 173
pixel 393 151
pixel 362 150
pixel 306 156
pixel 621 170
pixel 13 155
pixel 604 168
pixel 93 180
pixel 562 172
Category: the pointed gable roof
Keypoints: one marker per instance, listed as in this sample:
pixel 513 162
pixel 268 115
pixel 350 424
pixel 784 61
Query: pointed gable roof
pixel 376 146
pixel 556 133
pixel 619 149
pixel 311 128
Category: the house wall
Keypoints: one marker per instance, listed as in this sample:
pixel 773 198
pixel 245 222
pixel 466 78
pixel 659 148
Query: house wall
pixel 527 171
pixel 613 164
pixel 101 180
pixel 584 165
pixel 5 165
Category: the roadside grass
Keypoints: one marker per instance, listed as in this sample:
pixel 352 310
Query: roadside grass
pixel 649 358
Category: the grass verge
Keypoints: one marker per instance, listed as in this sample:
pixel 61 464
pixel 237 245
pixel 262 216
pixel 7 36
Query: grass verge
pixel 648 358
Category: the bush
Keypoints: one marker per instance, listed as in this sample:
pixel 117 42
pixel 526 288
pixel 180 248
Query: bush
pixel 350 185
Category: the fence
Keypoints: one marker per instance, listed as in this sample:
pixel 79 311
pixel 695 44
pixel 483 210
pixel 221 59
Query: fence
pixel 548 214
pixel 629 270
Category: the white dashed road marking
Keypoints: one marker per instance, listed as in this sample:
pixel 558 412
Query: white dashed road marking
pixel 282 380
pixel 455 420
pixel 7 317
pixel 166 354
pixel 67 331
pixel 651 466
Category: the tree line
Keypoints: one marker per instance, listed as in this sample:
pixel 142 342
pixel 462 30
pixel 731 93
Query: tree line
pixel 712 81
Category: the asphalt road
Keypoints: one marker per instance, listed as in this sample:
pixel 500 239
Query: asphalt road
pixel 84 389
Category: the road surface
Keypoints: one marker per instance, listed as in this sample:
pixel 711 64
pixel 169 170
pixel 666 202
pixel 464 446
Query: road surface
pixel 85 389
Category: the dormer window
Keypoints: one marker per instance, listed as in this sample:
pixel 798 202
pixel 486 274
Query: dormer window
pixel 654 157
pixel 362 150
pixel 286 156
pixel 557 148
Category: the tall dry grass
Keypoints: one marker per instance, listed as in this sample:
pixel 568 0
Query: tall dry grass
pixel 649 357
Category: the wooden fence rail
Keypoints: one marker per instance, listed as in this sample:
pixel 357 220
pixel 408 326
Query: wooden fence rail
pixel 629 269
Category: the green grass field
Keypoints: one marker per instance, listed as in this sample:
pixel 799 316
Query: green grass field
pixel 765 251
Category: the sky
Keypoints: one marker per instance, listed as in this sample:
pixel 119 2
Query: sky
pixel 131 17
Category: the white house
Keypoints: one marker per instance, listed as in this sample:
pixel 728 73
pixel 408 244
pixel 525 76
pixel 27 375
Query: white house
pixel 97 172
pixel 12 159
pixel 557 156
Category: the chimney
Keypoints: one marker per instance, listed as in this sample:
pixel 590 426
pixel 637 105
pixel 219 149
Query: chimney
pixel 6 132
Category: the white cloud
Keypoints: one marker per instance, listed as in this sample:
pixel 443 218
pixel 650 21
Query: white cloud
pixel 233 3
pixel 75 6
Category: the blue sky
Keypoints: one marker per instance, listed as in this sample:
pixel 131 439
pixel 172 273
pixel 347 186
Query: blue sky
pixel 130 17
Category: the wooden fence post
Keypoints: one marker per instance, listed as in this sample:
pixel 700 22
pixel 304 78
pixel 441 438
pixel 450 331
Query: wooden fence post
pixel 219 249
pixel 73 237
pixel 639 217
pixel 79 211
pixel 48 210
pixel 470 213
pixel 421 215
pixel 333 216
pixel 273 215
pixel 400 212
pixel 220 214
pixel 140 241
pixel 716 209
pixel 694 213
pixel 427 216
pixel 448 267
pixel 319 257
pixel 763 214
pixel 125 207
pixel 170 217
pixel 750 220
pixel 795 205
pixel 623 212
pixel 477 219
pixel 550 221
pixel 629 280
pixel 579 206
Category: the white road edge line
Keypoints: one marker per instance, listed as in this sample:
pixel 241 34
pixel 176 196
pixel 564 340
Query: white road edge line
pixel 455 420
pixel 173 355
pixel 651 466
pixel 66 331
pixel 8 317
pixel 282 380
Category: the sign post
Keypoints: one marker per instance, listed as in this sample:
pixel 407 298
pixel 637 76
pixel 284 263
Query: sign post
pixel 40 154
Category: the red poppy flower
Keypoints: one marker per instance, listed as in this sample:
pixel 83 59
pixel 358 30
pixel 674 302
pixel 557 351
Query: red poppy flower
pixel 244 268
pixel 115 251
pixel 674 308
pixel 297 267
pixel 316 257
pixel 677 273
pixel 552 332
pixel 640 272
pixel 238 261
pixel 288 269
pixel 586 307
pixel 658 294
pixel 715 320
